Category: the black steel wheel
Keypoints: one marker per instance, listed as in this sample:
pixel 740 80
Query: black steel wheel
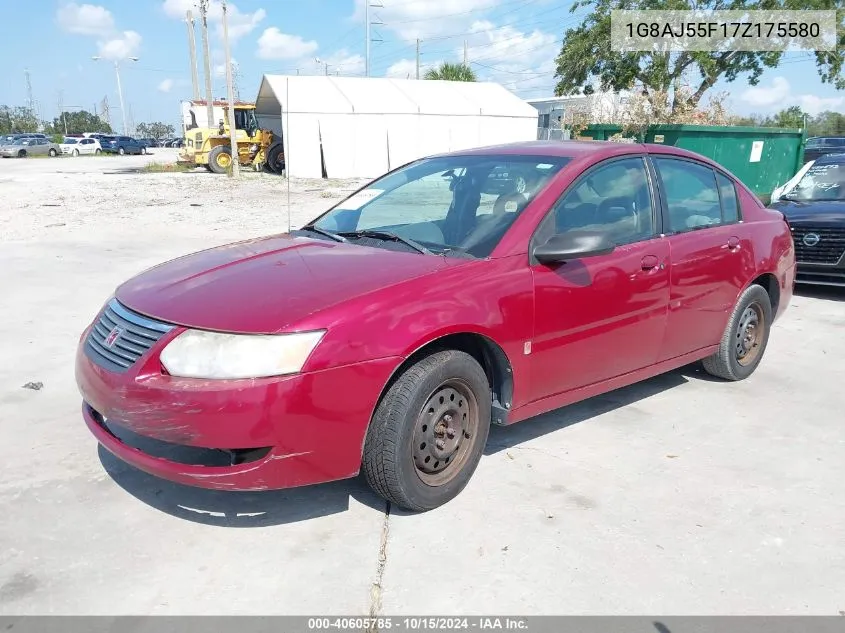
pixel 745 338
pixel 428 432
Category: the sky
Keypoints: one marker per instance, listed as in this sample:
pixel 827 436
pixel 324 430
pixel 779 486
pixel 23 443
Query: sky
pixel 513 42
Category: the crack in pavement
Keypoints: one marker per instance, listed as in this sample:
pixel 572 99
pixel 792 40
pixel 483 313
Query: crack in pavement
pixel 376 589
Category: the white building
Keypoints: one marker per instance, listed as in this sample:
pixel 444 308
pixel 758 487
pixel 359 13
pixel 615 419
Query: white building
pixel 345 127
pixel 555 113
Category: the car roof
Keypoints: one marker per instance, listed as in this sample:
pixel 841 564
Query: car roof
pixel 578 149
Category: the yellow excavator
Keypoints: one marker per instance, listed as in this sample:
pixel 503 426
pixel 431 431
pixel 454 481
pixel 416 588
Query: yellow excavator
pixel 211 148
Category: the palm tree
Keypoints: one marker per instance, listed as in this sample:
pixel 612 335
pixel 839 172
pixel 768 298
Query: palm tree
pixel 451 72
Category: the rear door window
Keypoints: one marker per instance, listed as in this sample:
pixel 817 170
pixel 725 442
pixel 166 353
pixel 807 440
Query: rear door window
pixel 692 198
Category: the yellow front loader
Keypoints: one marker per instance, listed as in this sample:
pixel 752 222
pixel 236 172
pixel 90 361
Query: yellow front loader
pixel 211 146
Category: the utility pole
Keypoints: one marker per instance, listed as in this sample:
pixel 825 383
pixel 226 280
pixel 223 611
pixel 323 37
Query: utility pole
pixel 192 47
pixel 209 96
pixel 367 18
pixel 104 107
pixel 236 75
pixel 465 53
pixel 418 58
pixel 233 132
pixel 30 102
pixel 61 108
pixel 369 22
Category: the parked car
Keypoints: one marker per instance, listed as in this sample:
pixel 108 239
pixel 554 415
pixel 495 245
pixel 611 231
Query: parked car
pixel 820 145
pixel 23 147
pixel 814 205
pixel 83 145
pixel 122 145
pixel 388 334
pixel 8 138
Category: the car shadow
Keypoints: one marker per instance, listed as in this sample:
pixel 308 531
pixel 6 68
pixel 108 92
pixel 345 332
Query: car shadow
pixel 505 437
pixel 825 293
pixel 234 509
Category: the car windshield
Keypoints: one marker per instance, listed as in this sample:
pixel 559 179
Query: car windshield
pixel 824 180
pixel 70 141
pixel 452 205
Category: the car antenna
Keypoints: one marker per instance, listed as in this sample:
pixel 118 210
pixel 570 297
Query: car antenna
pixel 284 137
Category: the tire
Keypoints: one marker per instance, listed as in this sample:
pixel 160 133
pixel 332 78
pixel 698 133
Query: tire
pixel 745 339
pixel 53 153
pixel 216 162
pixel 121 151
pixel 75 153
pixel 273 163
pixel 143 150
pixel 97 152
pixel 22 153
pixel 414 425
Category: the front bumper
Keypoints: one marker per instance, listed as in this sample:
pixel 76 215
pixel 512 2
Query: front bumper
pixel 305 429
pixel 821 275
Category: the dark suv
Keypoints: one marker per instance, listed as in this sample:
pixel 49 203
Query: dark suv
pixel 821 145
pixel 122 145
pixel 815 209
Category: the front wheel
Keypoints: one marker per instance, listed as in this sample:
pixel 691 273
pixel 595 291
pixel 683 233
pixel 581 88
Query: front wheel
pixel 22 153
pixel 746 336
pixel 220 159
pixel 143 150
pixel 97 152
pixel 121 151
pixel 76 152
pixel 53 153
pixel 428 432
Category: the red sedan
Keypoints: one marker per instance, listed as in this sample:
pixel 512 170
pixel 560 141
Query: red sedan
pixel 474 288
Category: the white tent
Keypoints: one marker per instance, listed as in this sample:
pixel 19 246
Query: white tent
pixel 347 127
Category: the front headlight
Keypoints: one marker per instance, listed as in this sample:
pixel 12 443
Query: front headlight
pixel 199 354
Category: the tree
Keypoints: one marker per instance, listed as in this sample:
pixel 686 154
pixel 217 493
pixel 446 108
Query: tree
pixel 827 124
pixel 77 122
pixel 586 57
pixel 793 116
pixel 17 119
pixel 156 130
pixel 451 72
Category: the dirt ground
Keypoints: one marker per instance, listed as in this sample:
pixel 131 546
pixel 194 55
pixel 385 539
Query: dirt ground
pixel 679 495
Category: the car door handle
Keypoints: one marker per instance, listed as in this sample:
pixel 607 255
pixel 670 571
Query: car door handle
pixel 733 244
pixel 649 262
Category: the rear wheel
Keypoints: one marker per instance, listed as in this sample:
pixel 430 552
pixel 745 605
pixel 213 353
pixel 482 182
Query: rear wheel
pixel 121 151
pixel 53 153
pixel 220 159
pixel 98 152
pixel 143 150
pixel 428 433
pixel 746 336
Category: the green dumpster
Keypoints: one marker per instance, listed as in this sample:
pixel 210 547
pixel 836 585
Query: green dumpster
pixel 761 157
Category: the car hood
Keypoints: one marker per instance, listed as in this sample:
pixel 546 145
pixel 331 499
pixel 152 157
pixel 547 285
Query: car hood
pixel 821 212
pixel 268 284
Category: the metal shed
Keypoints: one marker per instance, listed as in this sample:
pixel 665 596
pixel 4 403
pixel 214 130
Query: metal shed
pixel 346 127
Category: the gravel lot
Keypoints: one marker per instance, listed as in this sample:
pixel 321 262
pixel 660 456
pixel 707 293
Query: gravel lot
pixel 679 495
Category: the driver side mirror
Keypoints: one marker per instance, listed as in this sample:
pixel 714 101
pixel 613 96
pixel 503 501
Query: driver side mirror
pixel 562 247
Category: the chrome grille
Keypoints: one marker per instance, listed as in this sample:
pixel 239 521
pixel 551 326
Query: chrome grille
pixel 828 250
pixel 120 337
